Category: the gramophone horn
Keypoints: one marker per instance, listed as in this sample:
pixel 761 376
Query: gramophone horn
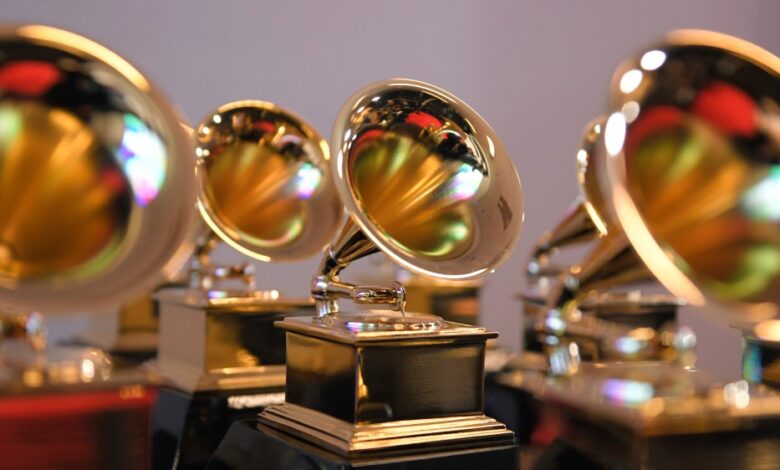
pixel 96 186
pixel 691 150
pixel 693 145
pixel 265 185
pixel 587 218
pixel 425 180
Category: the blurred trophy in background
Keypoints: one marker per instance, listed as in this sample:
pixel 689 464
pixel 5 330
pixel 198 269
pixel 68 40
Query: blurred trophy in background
pixel 426 181
pixel 613 316
pixel 691 150
pixel 265 190
pixel 619 295
pixel 96 199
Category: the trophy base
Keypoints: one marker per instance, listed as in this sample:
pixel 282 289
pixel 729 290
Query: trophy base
pixel 223 361
pixel 598 445
pixel 656 415
pixel 252 445
pixel 188 426
pixel 512 396
pixel 390 437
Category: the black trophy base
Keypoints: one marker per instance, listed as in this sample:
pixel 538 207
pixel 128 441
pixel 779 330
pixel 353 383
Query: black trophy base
pixel 188 427
pixel 251 445
pixel 517 408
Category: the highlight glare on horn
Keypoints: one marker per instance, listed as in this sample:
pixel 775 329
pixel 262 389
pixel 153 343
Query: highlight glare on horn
pixel 425 180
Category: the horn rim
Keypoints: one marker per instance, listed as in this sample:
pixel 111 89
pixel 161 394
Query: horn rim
pixel 113 285
pixel 339 170
pixel 211 217
pixel 664 263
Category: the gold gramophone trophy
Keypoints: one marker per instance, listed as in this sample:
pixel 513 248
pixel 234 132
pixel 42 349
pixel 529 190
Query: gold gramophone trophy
pixel 610 321
pixel 426 181
pixel 96 197
pixel 617 296
pixel 691 150
pixel 265 190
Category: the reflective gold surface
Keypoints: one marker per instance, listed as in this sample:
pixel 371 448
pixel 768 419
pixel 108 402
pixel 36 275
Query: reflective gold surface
pixel 362 391
pixel 96 191
pixel 590 176
pixel 586 220
pixel 265 181
pixel 694 150
pixel 426 179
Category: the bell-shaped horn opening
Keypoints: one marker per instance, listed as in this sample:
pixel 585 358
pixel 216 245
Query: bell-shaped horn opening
pixel 694 152
pixel 425 180
pixel 97 190
pixel 265 182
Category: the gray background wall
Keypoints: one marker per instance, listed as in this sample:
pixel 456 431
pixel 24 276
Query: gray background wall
pixel 536 70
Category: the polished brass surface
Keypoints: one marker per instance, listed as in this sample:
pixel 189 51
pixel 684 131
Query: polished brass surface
pixel 223 343
pixel 365 438
pixel 28 365
pixel 96 195
pixel 265 181
pixel 354 389
pixel 692 144
pixel 654 415
pixel 588 218
pixel 424 179
pixel 690 151
pixel 29 327
pixel 655 398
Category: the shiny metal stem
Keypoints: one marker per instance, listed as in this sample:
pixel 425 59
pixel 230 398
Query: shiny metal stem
pixel 575 227
pixel 326 287
pixel 327 291
pixel 205 276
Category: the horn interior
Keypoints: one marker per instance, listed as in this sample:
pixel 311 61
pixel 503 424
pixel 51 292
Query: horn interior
pixel 265 184
pixel 426 179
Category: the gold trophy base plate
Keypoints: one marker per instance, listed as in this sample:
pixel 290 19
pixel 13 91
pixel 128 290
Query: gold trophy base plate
pixel 349 440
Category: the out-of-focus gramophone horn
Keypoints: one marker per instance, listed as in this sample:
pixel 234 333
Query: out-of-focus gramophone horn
pixel 96 196
pixel 586 220
pixel 426 181
pixel 264 189
pixel 692 156
pixel 615 294
pixel 692 148
pixel 696 180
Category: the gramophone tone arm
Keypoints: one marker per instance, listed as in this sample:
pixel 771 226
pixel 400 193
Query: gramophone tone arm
pixel 612 262
pixel 325 291
pixel 623 343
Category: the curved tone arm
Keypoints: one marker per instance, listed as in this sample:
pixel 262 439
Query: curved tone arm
pixel 612 262
pixel 326 291
pixel 326 288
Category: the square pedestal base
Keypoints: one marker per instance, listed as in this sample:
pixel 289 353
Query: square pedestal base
pixel 250 445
